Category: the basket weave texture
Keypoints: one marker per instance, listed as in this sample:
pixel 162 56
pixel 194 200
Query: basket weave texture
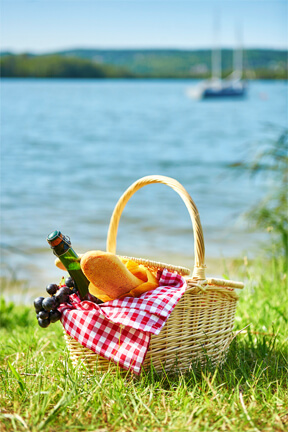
pixel 200 326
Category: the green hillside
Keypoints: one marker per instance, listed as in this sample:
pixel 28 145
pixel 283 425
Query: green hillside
pixel 56 66
pixel 144 63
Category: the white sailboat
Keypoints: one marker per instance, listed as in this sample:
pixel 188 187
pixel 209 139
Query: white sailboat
pixel 216 87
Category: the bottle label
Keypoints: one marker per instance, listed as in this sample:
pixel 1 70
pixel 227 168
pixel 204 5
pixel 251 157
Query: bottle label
pixel 72 264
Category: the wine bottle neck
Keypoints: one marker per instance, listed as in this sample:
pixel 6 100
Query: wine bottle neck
pixel 61 248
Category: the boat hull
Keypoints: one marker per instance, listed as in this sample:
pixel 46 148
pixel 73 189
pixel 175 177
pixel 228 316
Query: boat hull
pixel 226 92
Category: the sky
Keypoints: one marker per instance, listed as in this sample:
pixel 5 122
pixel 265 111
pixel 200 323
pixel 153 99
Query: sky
pixel 49 25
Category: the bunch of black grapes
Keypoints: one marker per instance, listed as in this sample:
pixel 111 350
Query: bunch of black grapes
pixel 46 308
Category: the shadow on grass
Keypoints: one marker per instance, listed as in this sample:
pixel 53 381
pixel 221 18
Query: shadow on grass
pixel 251 360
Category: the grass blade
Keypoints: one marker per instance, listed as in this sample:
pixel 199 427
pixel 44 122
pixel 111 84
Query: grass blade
pixel 17 376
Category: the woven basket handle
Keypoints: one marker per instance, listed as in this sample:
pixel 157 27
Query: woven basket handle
pixel 199 248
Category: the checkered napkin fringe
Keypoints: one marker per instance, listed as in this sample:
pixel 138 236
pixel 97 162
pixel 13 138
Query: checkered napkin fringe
pixel 120 330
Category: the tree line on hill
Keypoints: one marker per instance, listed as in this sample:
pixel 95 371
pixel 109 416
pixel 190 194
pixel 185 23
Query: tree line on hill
pixel 55 66
pixel 258 64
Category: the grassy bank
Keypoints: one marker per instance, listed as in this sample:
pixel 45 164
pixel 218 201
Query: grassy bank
pixel 41 391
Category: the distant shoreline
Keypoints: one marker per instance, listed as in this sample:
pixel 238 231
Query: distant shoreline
pixel 141 64
pixel 31 78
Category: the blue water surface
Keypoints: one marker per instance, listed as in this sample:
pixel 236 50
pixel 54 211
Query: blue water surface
pixel 70 148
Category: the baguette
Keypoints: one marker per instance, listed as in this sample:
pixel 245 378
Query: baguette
pixel 107 272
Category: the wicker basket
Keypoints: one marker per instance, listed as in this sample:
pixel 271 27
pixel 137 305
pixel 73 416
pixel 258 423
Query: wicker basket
pixel 200 326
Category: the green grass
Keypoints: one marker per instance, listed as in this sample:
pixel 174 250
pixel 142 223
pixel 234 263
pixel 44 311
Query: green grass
pixel 41 391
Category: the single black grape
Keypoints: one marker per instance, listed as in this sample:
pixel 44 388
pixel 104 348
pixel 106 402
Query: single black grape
pixel 69 282
pixel 61 296
pixel 43 322
pixel 38 304
pixel 49 303
pixel 52 289
pixel 43 314
pixel 66 290
pixel 54 316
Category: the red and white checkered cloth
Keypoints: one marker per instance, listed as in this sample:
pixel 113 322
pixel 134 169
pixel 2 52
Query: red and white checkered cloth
pixel 120 330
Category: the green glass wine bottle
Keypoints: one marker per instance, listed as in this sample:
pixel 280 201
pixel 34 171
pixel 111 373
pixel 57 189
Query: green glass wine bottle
pixel 61 247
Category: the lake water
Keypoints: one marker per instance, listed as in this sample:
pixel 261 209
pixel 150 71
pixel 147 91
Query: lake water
pixel 71 147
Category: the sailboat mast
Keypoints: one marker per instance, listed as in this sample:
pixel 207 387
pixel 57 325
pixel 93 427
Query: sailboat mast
pixel 238 55
pixel 216 52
